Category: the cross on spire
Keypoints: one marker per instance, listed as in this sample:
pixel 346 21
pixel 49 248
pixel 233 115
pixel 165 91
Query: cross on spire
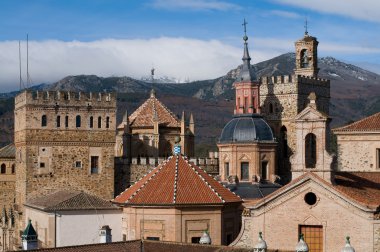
pixel 245 27
pixel 306 32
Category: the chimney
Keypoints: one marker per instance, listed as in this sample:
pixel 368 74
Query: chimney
pixel 105 234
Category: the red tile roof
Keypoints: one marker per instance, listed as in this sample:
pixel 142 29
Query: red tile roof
pixel 176 182
pixel 151 108
pixel 360 187
pixel 366 124
pixel 363 187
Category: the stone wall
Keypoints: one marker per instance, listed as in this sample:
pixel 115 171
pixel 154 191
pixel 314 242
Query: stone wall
pixel 365 147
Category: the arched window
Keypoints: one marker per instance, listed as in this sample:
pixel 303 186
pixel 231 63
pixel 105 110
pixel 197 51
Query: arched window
pixel 304 59
pixel 107 122
pixel 43 121
pixel 78 121
pixel 66 121
pixel 13 169
pixel 58 122
pixel 270 108
pixel 310 150
pixel 284 141
pixel 3 169
pixel 99 122
pixel 91 121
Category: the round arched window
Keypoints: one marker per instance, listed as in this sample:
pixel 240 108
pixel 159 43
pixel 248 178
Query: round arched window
pixel 310 198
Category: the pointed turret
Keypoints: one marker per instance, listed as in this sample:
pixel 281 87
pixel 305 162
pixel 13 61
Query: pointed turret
pixel 246 84
pixel 29 237
pixel 192 124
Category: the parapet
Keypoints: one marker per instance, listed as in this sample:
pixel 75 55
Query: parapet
pixel 286 79
pixel 65 98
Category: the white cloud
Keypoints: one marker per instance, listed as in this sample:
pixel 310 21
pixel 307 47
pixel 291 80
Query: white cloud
pixel 194 5
pixel 286 14
pixel 363 9
pixel 180 58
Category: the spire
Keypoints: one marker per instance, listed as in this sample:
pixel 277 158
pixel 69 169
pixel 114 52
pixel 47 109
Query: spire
pixel 306 32
pixel 125 117
pixel 246 73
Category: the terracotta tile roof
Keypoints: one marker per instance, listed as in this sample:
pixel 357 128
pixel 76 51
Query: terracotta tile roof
pixel 363 187
pixel 8 151
pixel 69 200
pixel 151 108
pixel 360 187
pixel 176 182
pixel 147 246
pixel 370 123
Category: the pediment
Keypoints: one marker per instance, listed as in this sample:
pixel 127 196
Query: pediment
pixel 310 113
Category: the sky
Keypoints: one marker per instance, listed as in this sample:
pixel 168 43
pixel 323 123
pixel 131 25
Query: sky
pixel 182 39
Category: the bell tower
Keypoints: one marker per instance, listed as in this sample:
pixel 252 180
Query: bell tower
pixel 306 55
pixel 247 86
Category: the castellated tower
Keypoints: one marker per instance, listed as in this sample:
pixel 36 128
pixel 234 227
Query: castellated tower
pixel 64 140
pixel 282 98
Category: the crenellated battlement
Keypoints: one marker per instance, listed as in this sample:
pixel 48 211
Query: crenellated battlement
pixel 66 98
pixel 288 79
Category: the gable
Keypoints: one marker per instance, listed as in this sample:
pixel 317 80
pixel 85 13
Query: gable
pixel 310 113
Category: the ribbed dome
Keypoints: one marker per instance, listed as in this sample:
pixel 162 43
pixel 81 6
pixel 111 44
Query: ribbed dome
pixel 246 128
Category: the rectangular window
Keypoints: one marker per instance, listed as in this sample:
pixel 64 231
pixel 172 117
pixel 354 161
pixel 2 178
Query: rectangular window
pixel 244 166
pixel 152 238
pixel 227 169
pixel 313 236
pixel 264 170
pixel 42 165
pixel 78 164
pixel 94 164
pixel 58 121
pixel 107 122
pixel 99 122
pixel 195 240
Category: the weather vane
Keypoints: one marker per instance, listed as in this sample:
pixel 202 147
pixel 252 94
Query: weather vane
pixel 245 27
pixel 306 26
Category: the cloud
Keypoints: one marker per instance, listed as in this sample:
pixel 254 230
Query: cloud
pixel 180 58
pixel 364 9
pixel 194 5
pixel 286 14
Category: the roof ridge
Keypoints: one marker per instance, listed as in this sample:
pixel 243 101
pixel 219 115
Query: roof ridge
pixel 208 184
pixel 175 180
pixel 346 127
pixel 159 168
pixel 75 194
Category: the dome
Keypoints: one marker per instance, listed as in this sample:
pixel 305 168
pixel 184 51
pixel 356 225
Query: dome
pixel 246 128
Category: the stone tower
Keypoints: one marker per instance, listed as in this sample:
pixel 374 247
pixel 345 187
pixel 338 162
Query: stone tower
pixel 63 140
pixel 282 98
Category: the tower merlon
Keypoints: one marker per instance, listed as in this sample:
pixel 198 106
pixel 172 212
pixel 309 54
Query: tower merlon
pixel 65 98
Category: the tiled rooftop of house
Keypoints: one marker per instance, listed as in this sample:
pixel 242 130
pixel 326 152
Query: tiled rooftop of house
pixel 366 124
pixel 8 151
pixel 151 109
pixel 69 200
pixel 176 182
pixel 360 187
pixel 146 246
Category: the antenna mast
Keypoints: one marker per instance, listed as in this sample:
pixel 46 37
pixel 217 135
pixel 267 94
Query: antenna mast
pixel 27 60
pixel 19 62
